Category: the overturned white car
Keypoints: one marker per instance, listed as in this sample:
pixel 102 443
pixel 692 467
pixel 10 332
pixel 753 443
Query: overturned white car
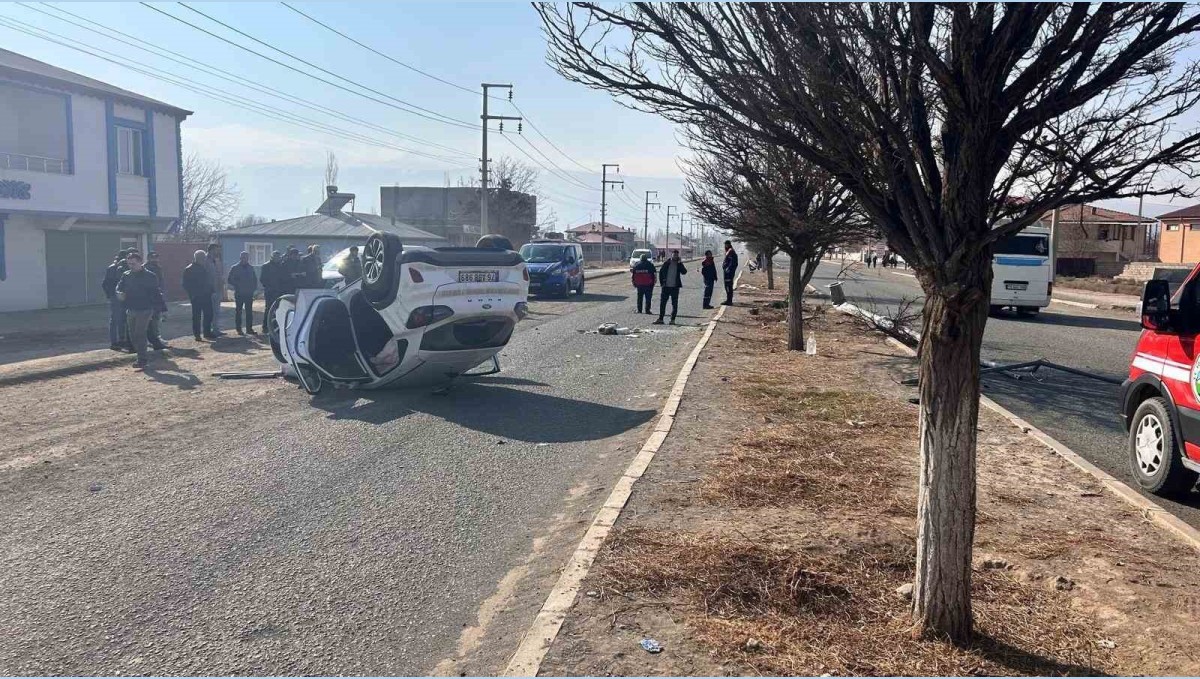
pixel 417 316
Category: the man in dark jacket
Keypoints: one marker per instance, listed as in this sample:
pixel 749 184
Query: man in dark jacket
pixel 293 271
pixel 708 270
pixel 244 283
pixel 670 277
pixel 274 282
pixel 199 287
pixel 117 334
pixel 155 268
pixel 139 292
pixel 729 268
pixel 312 268
pixel 351 266
pixel 644 275
pixel 216 271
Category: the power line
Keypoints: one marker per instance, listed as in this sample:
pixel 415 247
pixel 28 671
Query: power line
pixel 404 108
pixel 446 119
pixel 552 144
pixel 208 90
pixel 222 74
pixel 385 56
pixel 557 171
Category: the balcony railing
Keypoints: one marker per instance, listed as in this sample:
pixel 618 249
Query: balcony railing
pixel 20 161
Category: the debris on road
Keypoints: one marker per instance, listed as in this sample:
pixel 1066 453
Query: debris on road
pixel 651 646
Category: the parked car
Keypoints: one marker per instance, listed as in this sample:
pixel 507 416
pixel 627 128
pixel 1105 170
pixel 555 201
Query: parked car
pixel 1160 401
pixel 417 316
pixel 637 256
pixel 555 267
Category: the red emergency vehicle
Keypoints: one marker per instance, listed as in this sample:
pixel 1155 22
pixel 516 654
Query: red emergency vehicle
pixel 1160 402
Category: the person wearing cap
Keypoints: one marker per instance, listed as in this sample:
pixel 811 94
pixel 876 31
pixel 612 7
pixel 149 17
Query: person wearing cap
pixel 155 268
pixel 140 294
pixel 311 266
pixel 274 283
pixel 244 283
pixel 351 266
pixel 199 287
pixel 117 335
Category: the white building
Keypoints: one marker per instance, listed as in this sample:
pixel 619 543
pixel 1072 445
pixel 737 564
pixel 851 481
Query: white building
pixel 86 169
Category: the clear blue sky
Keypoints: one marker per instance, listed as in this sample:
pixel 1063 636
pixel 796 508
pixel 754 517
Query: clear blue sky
pixel 279 166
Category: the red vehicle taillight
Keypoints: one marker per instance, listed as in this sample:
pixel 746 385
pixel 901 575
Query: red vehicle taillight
pixel 426 315
pixel 415 275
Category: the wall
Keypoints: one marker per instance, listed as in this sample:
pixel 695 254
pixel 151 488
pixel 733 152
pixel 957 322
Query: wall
pixel 133 195
pixel 166 165
pixel 1170 244
pixel 24 286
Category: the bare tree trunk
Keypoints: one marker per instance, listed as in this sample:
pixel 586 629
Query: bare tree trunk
pixel 955 315
pixel 770 270
pixel 796 282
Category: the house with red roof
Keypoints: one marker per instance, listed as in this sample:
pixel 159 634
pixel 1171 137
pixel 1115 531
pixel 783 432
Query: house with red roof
pixel 1179 238
pixel 1092 240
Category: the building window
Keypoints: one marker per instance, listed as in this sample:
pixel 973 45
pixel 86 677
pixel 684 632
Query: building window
pixel 129 243
pixel 34 130
pixel 129 151
pixel 260 253
pixel 1102 233
pixel 1172 227
pixel 1193 227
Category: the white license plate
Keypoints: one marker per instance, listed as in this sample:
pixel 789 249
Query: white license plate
pixel 1016 286
pixel 478 276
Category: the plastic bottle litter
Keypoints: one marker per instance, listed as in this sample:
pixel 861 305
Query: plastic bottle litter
pixel 651 646
pixel 622 331
pixel 810 346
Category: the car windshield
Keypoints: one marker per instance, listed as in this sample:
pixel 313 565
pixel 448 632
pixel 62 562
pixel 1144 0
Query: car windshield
pixel 541 253
pixel 1023 244
pixel 637 254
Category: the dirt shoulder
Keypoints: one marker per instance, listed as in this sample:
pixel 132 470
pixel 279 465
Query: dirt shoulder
pixel 776 525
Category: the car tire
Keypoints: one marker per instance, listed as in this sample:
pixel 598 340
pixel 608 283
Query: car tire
pixel 380 278
pixel 1155 454
pixel 274 336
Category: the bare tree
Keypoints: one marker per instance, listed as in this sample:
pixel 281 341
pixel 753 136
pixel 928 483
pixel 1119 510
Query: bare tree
pixel 512 200
pixel 210 199
pixel 772 197
pixel 331 169
pixel 953 125
pixel 250 220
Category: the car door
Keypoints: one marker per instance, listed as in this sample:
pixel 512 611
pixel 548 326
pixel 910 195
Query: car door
pixel 322 336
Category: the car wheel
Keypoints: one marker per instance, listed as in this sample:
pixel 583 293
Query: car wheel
pixel 380 278
pixel 274 334
pixel 1154 454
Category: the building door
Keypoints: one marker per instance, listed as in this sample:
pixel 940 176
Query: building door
pixel 75 264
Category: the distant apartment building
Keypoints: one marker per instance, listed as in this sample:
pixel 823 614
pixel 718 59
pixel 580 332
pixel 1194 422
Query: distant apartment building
pixel 86 169
pixel 452 212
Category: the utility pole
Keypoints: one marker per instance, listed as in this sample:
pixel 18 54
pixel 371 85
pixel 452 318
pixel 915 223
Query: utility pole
pixel 604 182
pixel 669 215
pixel 646 223
pixel 483 171
pixel 682 219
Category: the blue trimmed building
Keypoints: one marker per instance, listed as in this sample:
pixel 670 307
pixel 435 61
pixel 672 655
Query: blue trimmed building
pixel 86 169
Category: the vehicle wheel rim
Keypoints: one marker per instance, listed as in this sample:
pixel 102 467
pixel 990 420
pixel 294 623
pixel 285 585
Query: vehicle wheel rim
pixel 1148 445
pixel 373 266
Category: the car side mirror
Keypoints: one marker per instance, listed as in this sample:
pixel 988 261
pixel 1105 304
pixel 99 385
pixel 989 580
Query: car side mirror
pixel 570 260
pixel 1156 305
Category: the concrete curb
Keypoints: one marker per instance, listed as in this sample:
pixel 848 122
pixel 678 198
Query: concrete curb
pixel 1150 510
pixel 1070 302
pixel 527 660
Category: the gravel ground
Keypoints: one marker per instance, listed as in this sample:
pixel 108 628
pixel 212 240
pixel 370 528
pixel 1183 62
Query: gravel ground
pixel 1079 412
pixel 174 523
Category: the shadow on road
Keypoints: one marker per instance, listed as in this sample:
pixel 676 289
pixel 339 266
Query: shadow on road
pixel 1050 318
pixel 168 372
pixel 1091 402
pixel 491 409
pixel 595 297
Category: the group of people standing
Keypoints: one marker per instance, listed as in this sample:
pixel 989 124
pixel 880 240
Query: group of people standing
pixel 873 260
pixel 137 302
pixel 669 277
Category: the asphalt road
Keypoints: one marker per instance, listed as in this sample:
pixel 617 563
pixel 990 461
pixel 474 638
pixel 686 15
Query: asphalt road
pixel 1078 411
pixel 173 523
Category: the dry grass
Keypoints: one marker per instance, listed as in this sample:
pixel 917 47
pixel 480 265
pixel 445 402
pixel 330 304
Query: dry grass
pixel 1097 284
pixel 829 606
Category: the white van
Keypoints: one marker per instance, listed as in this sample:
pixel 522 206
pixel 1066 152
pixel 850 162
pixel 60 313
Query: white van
pixel 1021 274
